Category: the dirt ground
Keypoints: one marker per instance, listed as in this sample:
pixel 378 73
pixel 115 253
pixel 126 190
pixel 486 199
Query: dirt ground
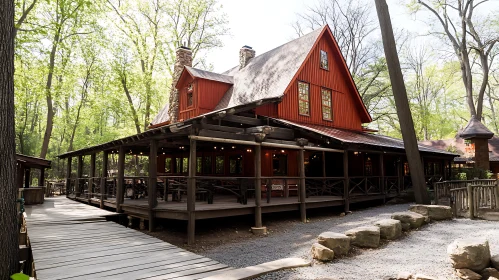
pixel 215 232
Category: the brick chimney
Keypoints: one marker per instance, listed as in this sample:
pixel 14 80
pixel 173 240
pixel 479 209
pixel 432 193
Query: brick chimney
pixel 183 58
pixel 246 53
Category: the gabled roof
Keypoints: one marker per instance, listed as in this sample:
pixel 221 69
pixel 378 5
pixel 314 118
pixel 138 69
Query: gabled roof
pixel 476 129
pixel 357 137
pixel 30 161
pixel 163 117
pixel 207 75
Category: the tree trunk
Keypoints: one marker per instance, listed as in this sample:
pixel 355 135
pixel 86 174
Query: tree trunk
pixel 402 104
pixel 8 189
pixel 130 102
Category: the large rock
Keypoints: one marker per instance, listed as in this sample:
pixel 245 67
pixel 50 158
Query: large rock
pixel 404 276
pixel 322 253
pixel 469 253
pixel 364 236
pixel 414 219
pixel 434 212
pixel 489 272
pixel 389 228
pixel 337 242
pixel 423 277
pixel 495 261
pixel 468 274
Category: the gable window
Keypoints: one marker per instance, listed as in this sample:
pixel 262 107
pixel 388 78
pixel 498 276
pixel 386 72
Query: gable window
pixel 190 90
pixel 327 113
pixel 303 98
pixel 324 62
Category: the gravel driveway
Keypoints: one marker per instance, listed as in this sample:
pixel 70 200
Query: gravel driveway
pixel 420 251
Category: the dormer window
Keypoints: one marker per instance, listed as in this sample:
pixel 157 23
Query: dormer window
pixel 324 62
pixel 190 90
pixel 303 99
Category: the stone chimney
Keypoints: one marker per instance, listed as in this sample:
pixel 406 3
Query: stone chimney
pixel 246 53
pixel 183 58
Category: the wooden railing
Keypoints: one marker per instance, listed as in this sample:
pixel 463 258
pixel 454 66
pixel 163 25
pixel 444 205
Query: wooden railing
pixel 365 185
pixel 484 197
pixel 472 200
pixel 325 186
pixel 459 201
pixel 442 189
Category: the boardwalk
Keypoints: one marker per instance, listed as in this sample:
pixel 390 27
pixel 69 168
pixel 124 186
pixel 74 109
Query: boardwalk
pixel 71 240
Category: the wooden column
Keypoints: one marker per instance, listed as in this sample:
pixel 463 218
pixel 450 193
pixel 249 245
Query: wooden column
pixel 153 179
pixel 323 164
pixel 191 194
pixel 105 159
pixel 68 176
pixel 382 173
pixel 27 177
pixel 41 179
pixel 471 201
pixel 258 186
pixel 303 191
pixel 79 174
pixel 92 175
pixel 121 179
pixel 346 187
pixel 400 175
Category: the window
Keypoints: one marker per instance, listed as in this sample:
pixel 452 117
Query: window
pixel 168 165
pixel 190 90
pixel 280 164
pixel 207 168
pixel 326 104
pixel 219 164
pixel 185 165
pixel 303 98
pixel 236 164
pixel 178 165
pixel 199 164
pixel 324 64
pixel 368 167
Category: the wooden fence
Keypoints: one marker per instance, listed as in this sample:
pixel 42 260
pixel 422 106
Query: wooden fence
pixel 442 189
pixel 472 200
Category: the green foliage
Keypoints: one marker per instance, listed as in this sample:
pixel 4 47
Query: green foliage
pixel 470 174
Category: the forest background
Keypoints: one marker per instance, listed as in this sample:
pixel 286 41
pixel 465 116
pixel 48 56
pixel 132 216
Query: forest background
pixel 88 72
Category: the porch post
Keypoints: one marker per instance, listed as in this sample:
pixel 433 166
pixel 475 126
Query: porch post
pixel 303 191
pixel 346 187
pixel 121 178
pixel 258 186
pixel 92 175
pixel 41 179
pixel 79 174
pixel 27 177
pixel 400 176
pixel 68 176
pixel 103 179
pixel 323 164
pixel 153 179
pixel 382 173
pixel 191 194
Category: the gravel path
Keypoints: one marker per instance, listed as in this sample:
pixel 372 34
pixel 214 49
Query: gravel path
pixel 420 251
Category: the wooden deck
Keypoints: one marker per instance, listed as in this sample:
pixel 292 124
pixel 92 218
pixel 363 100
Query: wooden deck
pixel 71 240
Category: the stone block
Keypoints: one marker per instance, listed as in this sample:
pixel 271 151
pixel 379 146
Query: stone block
pixel 434 212
pixel 468 274
pixel 367 237
pixel 414 219
pixel 471 253
pixel 337 242
pixel 489 272
pixel 389 228
pixel 322 253
pixel 495 261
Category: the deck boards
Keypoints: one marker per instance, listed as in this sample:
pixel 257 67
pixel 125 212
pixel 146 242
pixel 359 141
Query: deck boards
pixel 72 240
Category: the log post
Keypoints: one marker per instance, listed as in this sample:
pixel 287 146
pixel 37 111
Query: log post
pixel 153 179
pixel 346 187
pixel 68 176
pixel 258 186
pixel 79 174
pixel 191 194
pixel 27 177
pixel 41 179
pixel 382 173
pixel 471 201
pixel 92 175
pixel 103 180
pixel 496 194
pixel 303 191
pixel 121 179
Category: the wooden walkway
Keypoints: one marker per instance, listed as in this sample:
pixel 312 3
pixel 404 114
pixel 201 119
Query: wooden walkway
pixel 71 240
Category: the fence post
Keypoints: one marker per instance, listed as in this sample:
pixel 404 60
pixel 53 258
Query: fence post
pixel 496 192
pixel 471 205
pixel 435 192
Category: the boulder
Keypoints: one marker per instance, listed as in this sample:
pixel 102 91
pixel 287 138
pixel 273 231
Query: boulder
pixel 489 272
pixel 434 212
pixel 406 226
pixel 337 242
pixel 404 276
pixel 423 277
pixel 471 253
pixel 414 219
pixel 322 253
pixel 495 261
pixel 493 278
pixel 468 274
pixel 389 228
pixel 364 236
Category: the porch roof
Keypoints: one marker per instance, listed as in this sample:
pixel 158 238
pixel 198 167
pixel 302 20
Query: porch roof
pixel 33 162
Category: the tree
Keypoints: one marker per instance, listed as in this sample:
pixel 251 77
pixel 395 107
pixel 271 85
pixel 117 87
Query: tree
pixel 469 40
pixel 9 223
pixel 402 104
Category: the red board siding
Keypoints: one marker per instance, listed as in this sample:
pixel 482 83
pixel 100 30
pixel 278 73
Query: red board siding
pixel 184 111
pixel 269 110
pixel 206 96
pixel 345 108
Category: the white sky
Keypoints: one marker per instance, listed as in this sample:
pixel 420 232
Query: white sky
pixel 266 24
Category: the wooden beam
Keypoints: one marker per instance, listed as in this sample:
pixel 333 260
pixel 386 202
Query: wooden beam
pixel 68 175
pixel 382 173
pixel 153 179
pixel 346 187
pixel 103 191
pixel 41 178
pixel 222 128
pixel 242 120
pixel 27 177
pixel 222 140
pixel 258 186
pixel 121 179
pixel 191 194
pixel 92 175
pixel 303 191
pixel 79 174
pixel 226 135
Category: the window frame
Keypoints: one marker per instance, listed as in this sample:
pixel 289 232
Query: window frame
pixel 320 60
pixel 300 100
pixel 190 95
pixel 330 91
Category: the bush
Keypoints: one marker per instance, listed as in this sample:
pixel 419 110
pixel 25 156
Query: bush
pixel 470 174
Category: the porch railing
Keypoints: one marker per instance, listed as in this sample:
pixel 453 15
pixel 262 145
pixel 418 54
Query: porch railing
pixel 471 201
pixel 442 189
pixel 365 185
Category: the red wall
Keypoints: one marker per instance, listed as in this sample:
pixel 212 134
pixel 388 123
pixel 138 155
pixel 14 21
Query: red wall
pixel 346 113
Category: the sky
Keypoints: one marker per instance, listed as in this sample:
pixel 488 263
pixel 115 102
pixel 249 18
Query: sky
pixel 266 24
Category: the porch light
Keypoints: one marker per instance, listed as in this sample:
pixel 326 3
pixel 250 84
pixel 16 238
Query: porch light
pixel 282 151
pixel 222 148
pixel 141 153
pixel 215 147
pixel 233 147
pixel 164 153
pixel 248 150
